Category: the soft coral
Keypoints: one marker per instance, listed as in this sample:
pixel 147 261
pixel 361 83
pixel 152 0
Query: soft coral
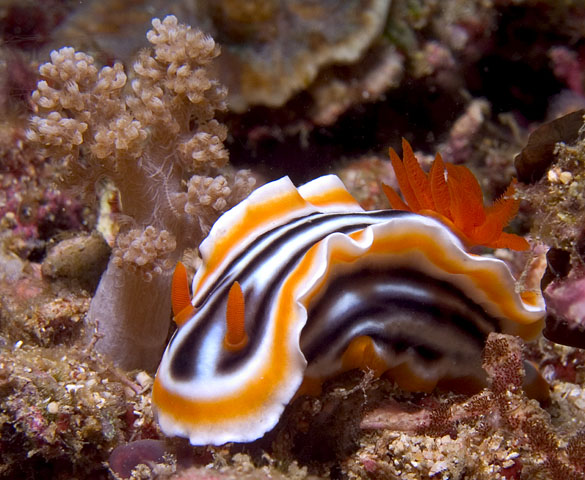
pixel 455 199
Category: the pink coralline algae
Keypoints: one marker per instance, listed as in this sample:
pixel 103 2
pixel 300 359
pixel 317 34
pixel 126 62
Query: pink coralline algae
pixel 30 207
pixel 565 304
pixel 41 217
pixel 569 67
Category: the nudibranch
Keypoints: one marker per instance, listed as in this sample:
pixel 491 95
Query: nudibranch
pixel 298 285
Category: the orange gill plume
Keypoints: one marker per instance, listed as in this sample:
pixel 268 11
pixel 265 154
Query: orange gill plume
pixel 455 199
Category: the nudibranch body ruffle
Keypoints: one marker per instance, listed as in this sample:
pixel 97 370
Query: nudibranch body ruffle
pixel 323 286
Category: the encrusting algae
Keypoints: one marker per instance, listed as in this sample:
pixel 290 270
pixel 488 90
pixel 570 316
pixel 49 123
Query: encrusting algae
pixel 496 434
pixel 271 49
pixel 553 165
pixel 64 409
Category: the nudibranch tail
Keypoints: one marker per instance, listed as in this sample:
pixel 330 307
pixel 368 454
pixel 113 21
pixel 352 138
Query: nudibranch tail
pixel 326 287
pixel 452 194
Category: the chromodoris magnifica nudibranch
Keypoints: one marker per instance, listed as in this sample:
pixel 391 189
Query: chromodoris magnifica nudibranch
pixel 303 284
